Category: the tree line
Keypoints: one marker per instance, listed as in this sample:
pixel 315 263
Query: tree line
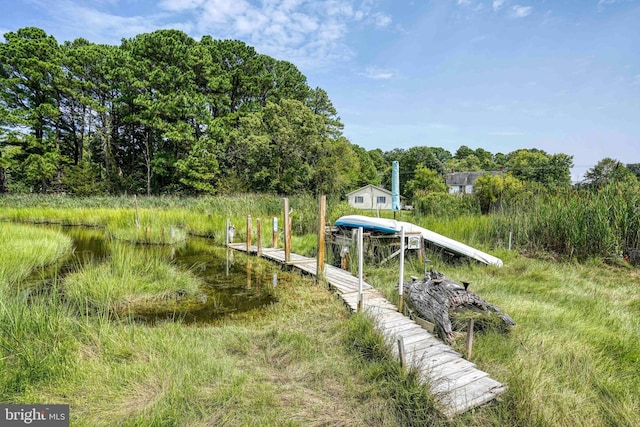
pixel 163 113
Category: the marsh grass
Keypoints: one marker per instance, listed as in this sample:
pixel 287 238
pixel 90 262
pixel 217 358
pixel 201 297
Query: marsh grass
pixel 267 368
pixel 128 280
pixel 25 249
pixel 572 357
pixel 36 344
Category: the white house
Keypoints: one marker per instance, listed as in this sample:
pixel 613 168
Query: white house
pixel 462 182
pixel 371 197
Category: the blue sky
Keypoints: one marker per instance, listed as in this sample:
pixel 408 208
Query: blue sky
pixel 562 76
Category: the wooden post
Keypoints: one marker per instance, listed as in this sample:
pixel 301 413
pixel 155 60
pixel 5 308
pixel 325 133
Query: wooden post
pixel 249 231
pixel 258 237
pixel 401 279
pixel 344 258
pixel 290 235
pixel 287 231
pixel 401 355
pixel 321 221
pixel 226 234
pixel 274 236
pixel 469 338
pixel 360 256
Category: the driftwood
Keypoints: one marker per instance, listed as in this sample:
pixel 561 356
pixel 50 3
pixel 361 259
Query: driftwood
pixel 442 301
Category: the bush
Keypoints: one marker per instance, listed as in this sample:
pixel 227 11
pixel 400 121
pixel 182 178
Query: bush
pixel 445 205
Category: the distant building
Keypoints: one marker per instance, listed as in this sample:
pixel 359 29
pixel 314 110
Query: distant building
pixel 463 182
pixel 371 197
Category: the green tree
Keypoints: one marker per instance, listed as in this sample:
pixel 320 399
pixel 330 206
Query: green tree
pixel 320 104
pixel 471 163
pixel 274 150
pixel 425 180
pixel 493 191
pixel 410 159
pixel 29 78
pixel 463 152
pixel 610 171
pixel 383 167
pixel 533 165
pixel 635 169
pixel 367 173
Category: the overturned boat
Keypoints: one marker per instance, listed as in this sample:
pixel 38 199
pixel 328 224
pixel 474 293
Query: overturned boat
pixel 383 225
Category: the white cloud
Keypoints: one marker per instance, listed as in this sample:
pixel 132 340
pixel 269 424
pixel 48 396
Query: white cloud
pixel 179 5
pixel 377 73
pixel 635 81
pixel 521 11
pixel 307 33
pixel 497 4
pixel 381 20
pixel 96 25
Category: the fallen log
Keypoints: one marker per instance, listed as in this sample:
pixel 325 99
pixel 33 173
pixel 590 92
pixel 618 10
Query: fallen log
pixel 448 305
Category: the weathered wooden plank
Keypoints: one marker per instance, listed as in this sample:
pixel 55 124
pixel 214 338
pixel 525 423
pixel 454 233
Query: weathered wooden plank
pixel 389 323
pixel 403 329
pixel 474 394
pixel 423 335
pixel 445 378
pixel 436 348
pixel 387 318
pixel 438 359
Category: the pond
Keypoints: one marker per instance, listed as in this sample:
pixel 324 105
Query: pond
pixel 233 282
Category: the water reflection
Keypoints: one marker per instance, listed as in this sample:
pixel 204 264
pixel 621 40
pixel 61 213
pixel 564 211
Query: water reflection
pixel 233 283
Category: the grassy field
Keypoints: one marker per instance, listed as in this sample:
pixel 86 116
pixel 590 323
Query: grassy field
pixel 571 359
pixel 301 361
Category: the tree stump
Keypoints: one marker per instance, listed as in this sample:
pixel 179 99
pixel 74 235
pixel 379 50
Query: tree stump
pixel 449 305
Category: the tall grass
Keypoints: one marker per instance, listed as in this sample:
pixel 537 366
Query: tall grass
pixel 35 336
pixel 36 344
pixel 570 360
pixel 25 249
pixel 128 279
pixel 572 357
pixel 573 224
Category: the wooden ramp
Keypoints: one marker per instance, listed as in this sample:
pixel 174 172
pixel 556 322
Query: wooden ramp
pixel 456 382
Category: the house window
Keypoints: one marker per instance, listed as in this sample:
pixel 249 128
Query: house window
pixel 381 200
pixel 359 199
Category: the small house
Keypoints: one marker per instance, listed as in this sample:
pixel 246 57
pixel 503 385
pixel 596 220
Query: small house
pixel 462 182
pixel 371 197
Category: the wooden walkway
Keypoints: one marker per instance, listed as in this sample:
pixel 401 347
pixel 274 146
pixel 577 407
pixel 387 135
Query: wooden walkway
pixel 456 382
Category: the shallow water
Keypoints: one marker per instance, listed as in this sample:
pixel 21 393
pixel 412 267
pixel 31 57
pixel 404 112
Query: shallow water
pixel 233 282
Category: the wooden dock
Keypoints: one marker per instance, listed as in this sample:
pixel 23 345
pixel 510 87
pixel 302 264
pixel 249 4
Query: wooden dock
pixel 458 385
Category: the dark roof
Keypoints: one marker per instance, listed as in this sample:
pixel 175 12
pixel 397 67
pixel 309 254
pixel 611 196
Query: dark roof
pixel 464 178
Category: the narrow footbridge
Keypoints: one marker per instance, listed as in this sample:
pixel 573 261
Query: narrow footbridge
pixel 457 384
